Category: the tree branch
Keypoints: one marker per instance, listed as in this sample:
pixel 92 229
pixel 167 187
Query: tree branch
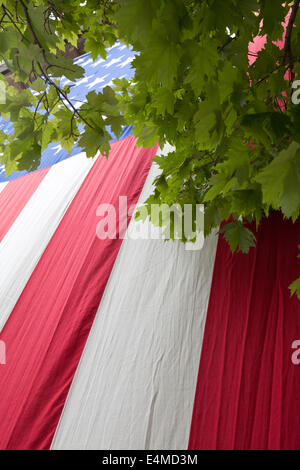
pixel 287 52
pixel 36 41
pixel 229 40
pixel 48 80
pixel 7 13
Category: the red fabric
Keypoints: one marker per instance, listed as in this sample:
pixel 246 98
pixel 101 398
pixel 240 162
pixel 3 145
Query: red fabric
pixel 248 389
pixel 259 42
pixel 48 328
pixel 15 196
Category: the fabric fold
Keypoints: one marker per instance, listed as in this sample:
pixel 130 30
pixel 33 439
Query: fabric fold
pixel 14 196
pixel 27 238
pixel 247 385
pixel 47 329
pixel 134 387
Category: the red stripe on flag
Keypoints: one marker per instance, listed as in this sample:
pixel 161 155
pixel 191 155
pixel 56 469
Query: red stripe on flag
pixel 15 196
pixel 248 388
pixel 48 328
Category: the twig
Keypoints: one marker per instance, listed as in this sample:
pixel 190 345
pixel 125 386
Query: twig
pixel 36 41
pixel 7 12
pixel 38 104
pixel 229 40
pixel 287 52
pixel 48 80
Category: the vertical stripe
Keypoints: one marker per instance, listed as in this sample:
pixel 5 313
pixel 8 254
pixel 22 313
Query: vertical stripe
pixel 248 387
pixel 15 196
pixel 25 242
pixel 135 385
pixel 46 332
pixel 2 186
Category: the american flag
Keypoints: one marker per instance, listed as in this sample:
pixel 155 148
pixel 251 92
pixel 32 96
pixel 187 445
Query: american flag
pixel 98 74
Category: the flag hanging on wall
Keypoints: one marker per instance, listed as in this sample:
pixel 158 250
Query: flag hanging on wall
pixel 101 337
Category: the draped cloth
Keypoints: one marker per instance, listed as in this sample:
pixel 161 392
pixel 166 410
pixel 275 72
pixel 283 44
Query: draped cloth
pixel 135 384
pixel 248 387
pixel 47 329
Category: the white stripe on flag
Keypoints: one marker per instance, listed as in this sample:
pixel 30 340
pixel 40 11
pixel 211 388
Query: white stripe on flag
pixel 2 186
pixel 24 243
pixel 134 387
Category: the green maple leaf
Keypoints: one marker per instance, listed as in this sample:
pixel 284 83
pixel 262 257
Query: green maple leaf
pixel 137 17
pixel 63 66
pixel 159 64
pixel 273 14
pixel 49 133
pixel 227 79
pixel 147 135
pixel 205 60
pixel 95 46
pixel 280 181
pixel 36 14
pixel 116 123
pixel 164 101
pixel 93 141
pixel 238 236
pixel 295 287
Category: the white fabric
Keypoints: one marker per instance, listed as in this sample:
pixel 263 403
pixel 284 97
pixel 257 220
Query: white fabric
pixel 26 240
pixel 2 186
pixel 135 384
